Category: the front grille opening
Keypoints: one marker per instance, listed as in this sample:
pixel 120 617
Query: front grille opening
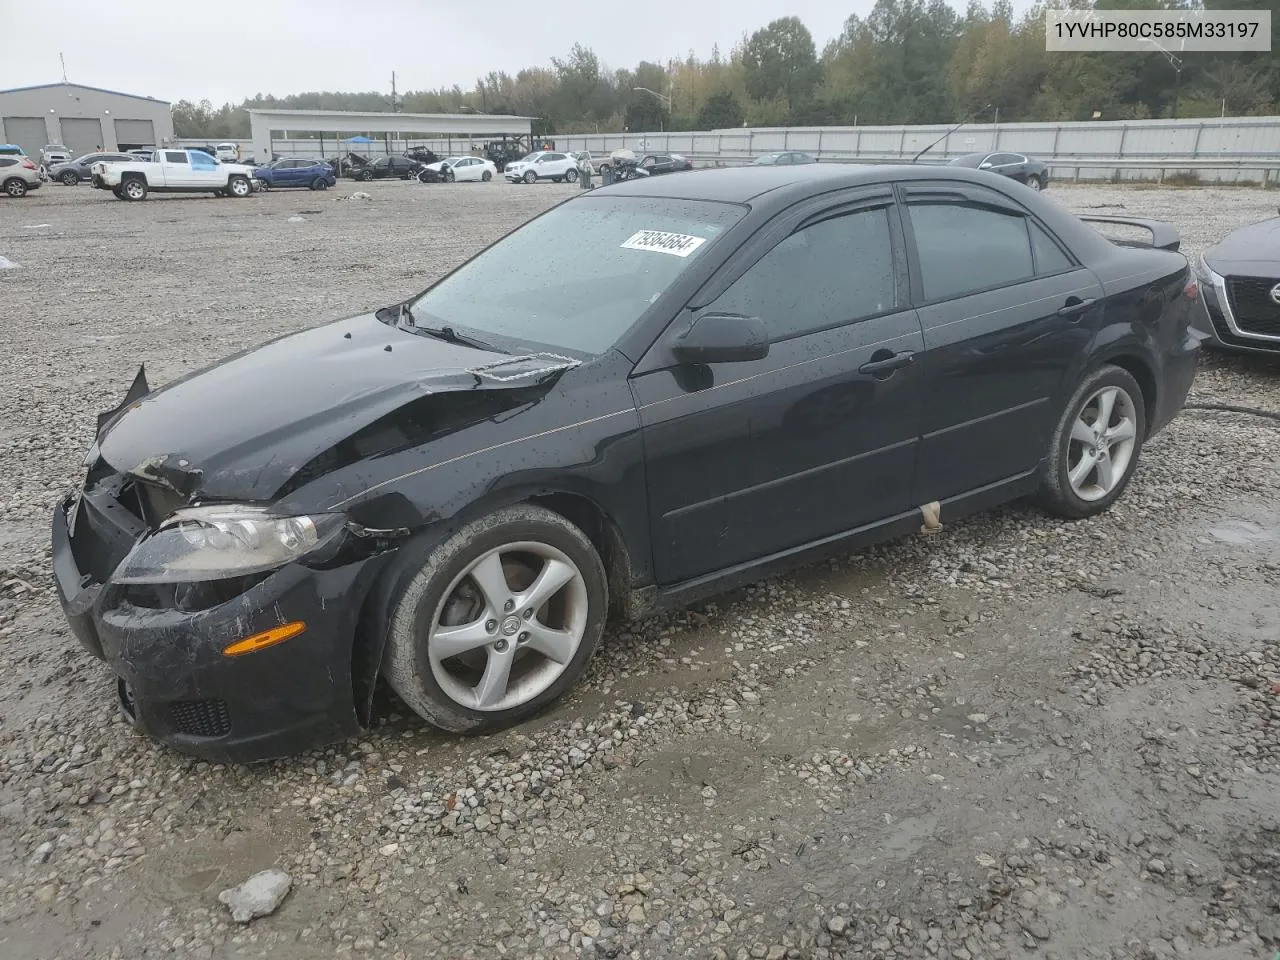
pixel 189 597
pixel 201 718
pixel 1252 306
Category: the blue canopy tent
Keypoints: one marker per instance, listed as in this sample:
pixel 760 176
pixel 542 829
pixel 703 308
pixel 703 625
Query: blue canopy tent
pixel 359 140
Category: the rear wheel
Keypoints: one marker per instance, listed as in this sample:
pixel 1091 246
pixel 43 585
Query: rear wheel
pixel 1096 445
pixel 135 188
pixel 15 187
pixel 1036 184
pixel 319 183
pixel 365 175
pixel 496 622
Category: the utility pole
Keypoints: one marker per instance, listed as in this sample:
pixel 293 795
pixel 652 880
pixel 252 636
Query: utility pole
pixel 63 61
pixel 395 104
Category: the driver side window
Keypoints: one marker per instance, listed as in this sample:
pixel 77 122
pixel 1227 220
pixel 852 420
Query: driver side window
pixel 830 273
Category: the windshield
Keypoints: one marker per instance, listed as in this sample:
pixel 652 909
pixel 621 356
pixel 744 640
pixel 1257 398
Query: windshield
pixel 530 157
pixel 579 276
pixel 451 160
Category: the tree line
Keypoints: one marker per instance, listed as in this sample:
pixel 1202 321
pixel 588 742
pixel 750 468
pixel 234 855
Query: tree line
pixel 906 62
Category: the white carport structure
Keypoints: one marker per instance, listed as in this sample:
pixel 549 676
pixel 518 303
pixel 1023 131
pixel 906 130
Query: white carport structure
pixel 266 124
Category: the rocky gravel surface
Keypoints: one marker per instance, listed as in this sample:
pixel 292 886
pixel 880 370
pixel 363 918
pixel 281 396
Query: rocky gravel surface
pixel 1012 737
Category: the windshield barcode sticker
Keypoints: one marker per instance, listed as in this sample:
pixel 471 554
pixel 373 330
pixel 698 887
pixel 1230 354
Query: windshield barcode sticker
pixel 677 244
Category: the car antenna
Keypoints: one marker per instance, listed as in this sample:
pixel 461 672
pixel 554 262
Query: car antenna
pixel 950 132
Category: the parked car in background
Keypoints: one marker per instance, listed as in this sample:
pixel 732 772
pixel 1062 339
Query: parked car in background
pixel 1015 166
pixel 174 171
pixel 52 153
pixel 651 393
pixel 18 175
pixel 296 172
pixel 1240 287
pixel 543 165
pixel 393 166
pixel 227 152
pixel 463 169
pixel 74 171
pixel 784 157
pixel 656 163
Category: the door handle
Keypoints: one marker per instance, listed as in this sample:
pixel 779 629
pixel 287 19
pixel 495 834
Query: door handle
pixel 1074 307
pixel 888 364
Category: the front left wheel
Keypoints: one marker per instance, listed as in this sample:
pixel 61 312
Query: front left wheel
pixel 497 621
pixel 239 187
pixel 1096 445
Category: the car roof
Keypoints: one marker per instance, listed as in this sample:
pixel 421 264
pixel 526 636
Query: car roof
pixel 787 183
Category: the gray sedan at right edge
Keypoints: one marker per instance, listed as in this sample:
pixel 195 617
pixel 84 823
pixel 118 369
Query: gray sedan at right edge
pixel 1240 288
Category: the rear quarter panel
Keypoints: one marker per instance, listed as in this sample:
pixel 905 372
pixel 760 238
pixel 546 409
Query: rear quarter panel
pixel 1146 318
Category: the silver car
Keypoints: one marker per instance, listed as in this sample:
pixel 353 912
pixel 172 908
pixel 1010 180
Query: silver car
pixel 18 174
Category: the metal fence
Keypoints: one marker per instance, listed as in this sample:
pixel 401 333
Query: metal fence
pixel 1223 150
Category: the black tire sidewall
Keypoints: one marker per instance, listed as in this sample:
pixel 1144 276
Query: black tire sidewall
pixel 1056 489
pixel 416 603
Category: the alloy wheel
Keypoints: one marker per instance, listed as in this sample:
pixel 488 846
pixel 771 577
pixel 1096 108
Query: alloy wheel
pixel 508 626
pixel 1101 447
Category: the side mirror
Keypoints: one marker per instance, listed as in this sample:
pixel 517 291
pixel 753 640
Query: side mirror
pixel 985 164
pixel 722 338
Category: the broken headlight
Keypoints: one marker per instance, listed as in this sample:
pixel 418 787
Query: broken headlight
pixel 214 543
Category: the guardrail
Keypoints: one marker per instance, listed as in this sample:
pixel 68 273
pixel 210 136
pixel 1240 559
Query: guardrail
pixel 1161 167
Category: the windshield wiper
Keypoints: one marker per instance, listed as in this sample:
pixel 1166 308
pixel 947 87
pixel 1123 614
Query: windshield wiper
pixel 404 320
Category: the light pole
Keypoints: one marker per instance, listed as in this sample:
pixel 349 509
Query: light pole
pixel 661 99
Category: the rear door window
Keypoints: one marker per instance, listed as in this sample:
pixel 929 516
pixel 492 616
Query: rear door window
pixel 966 248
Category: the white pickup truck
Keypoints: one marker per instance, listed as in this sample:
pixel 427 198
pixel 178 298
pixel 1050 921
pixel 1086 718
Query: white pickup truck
pixel 173 171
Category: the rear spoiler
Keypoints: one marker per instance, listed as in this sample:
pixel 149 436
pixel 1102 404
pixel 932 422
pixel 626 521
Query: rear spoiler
pixel 1164 236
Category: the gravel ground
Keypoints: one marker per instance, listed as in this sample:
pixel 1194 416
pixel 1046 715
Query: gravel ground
pixel 1016 735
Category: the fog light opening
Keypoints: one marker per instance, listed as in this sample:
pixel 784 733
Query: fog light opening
pixel 267 638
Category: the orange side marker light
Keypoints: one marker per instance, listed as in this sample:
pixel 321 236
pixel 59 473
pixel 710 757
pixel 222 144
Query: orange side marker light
pixel 267 638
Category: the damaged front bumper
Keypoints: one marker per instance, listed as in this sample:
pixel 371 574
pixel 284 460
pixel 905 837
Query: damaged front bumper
pixel 165 646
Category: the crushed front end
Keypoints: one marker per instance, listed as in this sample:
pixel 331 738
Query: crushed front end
pixel 230 631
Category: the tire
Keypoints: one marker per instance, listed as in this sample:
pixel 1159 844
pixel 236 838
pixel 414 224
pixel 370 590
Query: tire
pixel 263 186
pixel 431 581
pixel 486 176
pixel 365 175
pixel 219 193
pixel 449 176
pixel 135 188
pixel 239 187
pixel 1069 487
pixel 15 187
pixel 1036 184
pixel 529 177
pixel 319 183
pixel 69 178
pixel 572 176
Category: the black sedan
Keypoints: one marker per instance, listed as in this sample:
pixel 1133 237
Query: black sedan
pixel 394 166
pixel 1015 166
pixel 656 163
pixel 1240 278
pixel 649 394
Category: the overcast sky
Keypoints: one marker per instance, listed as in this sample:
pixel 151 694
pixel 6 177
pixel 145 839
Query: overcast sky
pixel 226 51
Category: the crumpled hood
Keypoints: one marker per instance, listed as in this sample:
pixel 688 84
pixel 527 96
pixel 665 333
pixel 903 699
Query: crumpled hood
pixel 1253 251
pixel 240 429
